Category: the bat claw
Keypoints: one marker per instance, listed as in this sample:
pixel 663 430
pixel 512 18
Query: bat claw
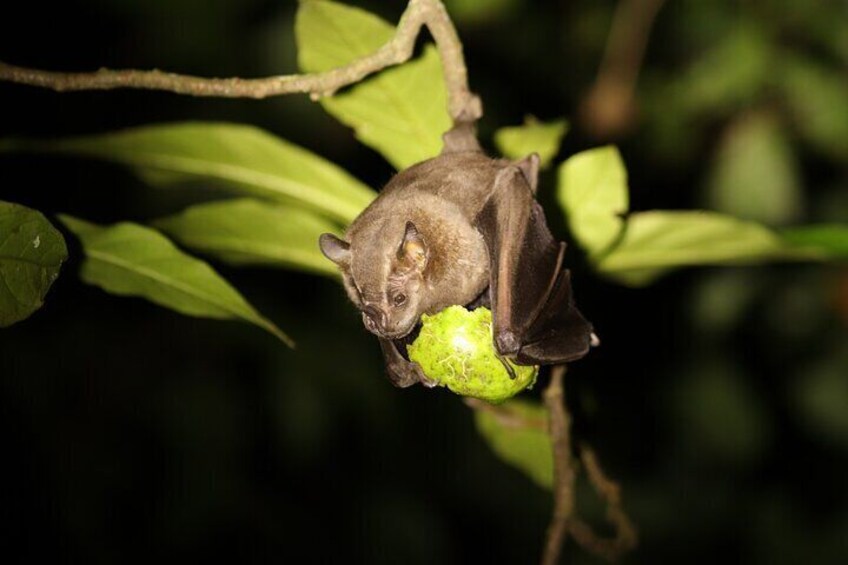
pixel 507 366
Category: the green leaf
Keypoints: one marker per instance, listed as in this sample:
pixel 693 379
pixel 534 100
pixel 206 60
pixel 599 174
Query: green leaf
pixel 816 97
pixel 755 174
pixel 132 260
pixel 830 240
pixel 252 232
pixel 401 112
pixel 593 192
pixel 656 241
pixel 31 253
pixel 240 158
pixel 534 136
pixel 517 431
pixel 480 11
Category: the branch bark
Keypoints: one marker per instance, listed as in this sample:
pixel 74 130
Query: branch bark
pixel 462 103
pixel 609 108
pixel 565 473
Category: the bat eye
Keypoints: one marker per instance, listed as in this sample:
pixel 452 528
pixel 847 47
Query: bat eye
pixel 399 299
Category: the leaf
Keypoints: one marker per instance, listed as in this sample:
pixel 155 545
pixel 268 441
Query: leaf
pixel 593 192
pixel 517 432
pixel 830 240
pixel 401 112
pixel 480 11
pixel 31 253
pixel 240 158
pixel 252 232
pixel 132 260
pixel 656 241
pixel 816 97
pixel 533 137
pixel 755 174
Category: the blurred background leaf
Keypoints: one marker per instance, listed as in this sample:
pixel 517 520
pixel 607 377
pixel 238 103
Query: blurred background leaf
pixel 755 174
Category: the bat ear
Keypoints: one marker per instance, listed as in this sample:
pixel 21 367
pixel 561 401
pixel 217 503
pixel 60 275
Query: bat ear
pixel 413 250
pixel 335 249
pixel 529 167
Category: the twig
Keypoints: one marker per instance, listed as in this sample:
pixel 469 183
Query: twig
pixel 418 13
pixel 625 537
pixel 609 107
pixel 564 471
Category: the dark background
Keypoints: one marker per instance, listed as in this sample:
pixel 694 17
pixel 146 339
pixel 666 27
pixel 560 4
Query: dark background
pixel 719 398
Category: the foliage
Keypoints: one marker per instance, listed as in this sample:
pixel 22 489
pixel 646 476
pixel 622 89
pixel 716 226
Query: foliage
pixel 31 254
pixel 280 197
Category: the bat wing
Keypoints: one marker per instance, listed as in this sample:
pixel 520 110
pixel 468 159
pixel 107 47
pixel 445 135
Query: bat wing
pixel 534 316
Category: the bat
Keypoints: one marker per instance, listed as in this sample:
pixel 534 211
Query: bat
pixel 461 229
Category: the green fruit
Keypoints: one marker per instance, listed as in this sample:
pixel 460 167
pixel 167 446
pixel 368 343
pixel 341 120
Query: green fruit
pixel 455 349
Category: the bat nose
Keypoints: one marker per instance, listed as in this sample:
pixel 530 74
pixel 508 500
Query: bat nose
pixel 374 319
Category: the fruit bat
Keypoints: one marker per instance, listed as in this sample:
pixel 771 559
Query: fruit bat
pixel 461 228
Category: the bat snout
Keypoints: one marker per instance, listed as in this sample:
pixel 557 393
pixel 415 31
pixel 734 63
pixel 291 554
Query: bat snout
pixel 374 320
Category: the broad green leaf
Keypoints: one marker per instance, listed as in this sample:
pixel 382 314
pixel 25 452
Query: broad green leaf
pixel 755 175
pixel 239 158
pixel 593 192
pixel 517 431
pixel 534 136
pixel 401 112
pixel 132 260
pixel 829 240
pixel 252 232
pixel 31 253
pixel 656 241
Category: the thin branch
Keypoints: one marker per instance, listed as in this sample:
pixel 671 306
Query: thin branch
pixel 565 473
pixel 461 102
pixel 625 537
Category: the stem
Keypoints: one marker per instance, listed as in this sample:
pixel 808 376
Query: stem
pixel 625 537
pixel 564 470
pixel 432 13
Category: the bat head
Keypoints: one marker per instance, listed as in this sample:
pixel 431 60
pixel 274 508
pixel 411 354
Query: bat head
pixel 384 277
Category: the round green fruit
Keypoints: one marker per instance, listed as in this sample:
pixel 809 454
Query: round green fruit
pixel 455 349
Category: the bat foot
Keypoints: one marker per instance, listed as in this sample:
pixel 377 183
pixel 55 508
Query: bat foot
pixel 594 340
pixel 507 366
pixel 422 378
pixel 506 342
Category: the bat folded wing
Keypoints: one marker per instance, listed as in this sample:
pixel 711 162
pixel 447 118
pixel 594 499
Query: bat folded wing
pixel 534 316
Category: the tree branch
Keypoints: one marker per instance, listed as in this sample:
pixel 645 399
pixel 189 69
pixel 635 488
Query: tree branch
pixel 565 473
pixel 625 537
pixel 609 107
pixel 461 102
